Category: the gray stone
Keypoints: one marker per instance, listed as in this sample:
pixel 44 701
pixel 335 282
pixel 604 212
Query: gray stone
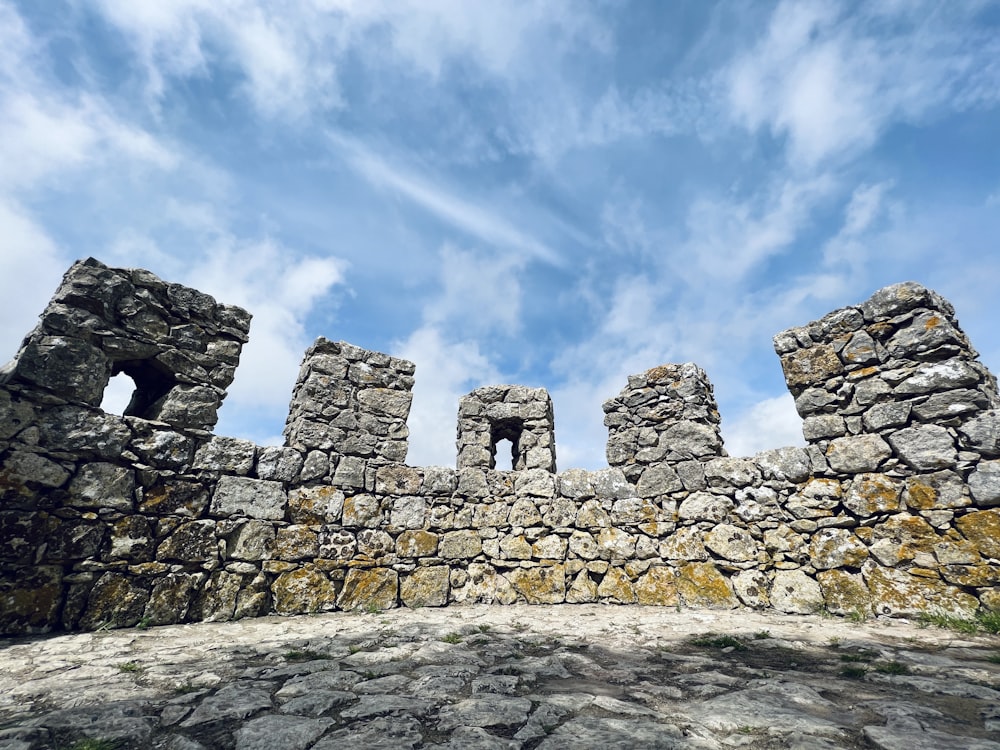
pixel 857 453
pixel 658 480
pixel 984 483
pixel 232 702
pixel 925 447
pixel 982 434
pixel 226 454
pixel 276 730
pixel 279 464
pixel 21 467
pixel 256 498
pixel 789 464
pixel 794 592
pixel 702 506
pixel 485 710
pixel 731 543
pixel 103 485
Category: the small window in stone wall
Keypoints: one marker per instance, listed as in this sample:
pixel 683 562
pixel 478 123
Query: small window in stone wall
pixel 136 387
pixel 118 393
pixel 503 455
pixel 505 439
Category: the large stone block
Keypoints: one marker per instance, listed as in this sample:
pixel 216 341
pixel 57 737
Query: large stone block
pixel 255 498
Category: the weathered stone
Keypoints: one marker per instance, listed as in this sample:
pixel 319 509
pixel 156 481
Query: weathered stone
pixel 616 587
pixel 103 485
pixel 336 543
pixel 753 588
pixel 656 587
pixel 549 547
pixel 982 528
pixel 615 544
pixel 226 454
pixel 561 513
pixel 882 416
pixel 177 498
pixel 362 510
pixel 702 506
pixel 315 505
pixel 425 587
pixel 836 548
pixel 296 542
pixel 253 540
pixel 275 730
pixel 376 588
pixel 982 434
pixel 731 543
pixel 903 538
pixel 375 545
pixel 820 426
pixel 611 483
pixel 684 544
pixel 279 464
pixel 592 515
pixel 408 512
pixel 857 453
pixel 397 480
pixel 845 593
pixel 897 593
pixel 462 545
pixel 255 498
pixel 938 376
pixel 171 597
pixel 31 600
pixel 417 543
pixel 302 590
pixel 700 584
pixel 871 494
pixel 535 483
pixel 191 542
pixel 132 539
pixel 784 464
pixel 658 480
pixel 524 512
pixel 22 467
pixel 794 592
pixel 942 489
pixel 925 447
pixel 582 590
pixel 545 584
pixel 115 601
pixel 731 472
pixel 984 483
pixel 691 440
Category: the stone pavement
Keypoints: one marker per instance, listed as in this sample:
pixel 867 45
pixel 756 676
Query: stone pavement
pixel 567 676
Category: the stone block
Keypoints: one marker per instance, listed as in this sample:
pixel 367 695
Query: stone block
pixel 925 447
pixel 377 588
pixel 425 587
pixel 303 590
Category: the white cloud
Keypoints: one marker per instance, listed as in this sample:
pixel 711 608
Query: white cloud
pixel 446 371
pixel 30 269
pixel 461 213
pixel 832 81
pixel 481 293
pixel 771 423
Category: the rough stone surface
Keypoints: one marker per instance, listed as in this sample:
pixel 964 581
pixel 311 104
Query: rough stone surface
pixel 587 676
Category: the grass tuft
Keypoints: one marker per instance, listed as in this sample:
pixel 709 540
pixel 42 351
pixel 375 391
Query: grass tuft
pixel 452 638
pixel 131 666
pixel 714 640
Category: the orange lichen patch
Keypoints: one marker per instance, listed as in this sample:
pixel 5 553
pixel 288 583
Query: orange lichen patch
pixel 971 575
pixel 844 593
pixel 873 493
pixel 864 372
pixel 545 584
pixel 813 365
pixel 375 588
pixel 933 321
pixel 304 589
pixel 425 587
pixel 896 592
pixel 416 543
pixel 657 587
pixel 617 587
pixel 919 495
pixel 982 528
pixel 657 374
pixel 702 585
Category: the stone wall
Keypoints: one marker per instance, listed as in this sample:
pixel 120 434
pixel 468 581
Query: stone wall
pixel 112 521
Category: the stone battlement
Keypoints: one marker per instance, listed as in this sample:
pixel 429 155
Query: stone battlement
pixel 109 521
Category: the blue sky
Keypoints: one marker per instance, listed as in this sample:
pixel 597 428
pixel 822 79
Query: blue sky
pixel 554 193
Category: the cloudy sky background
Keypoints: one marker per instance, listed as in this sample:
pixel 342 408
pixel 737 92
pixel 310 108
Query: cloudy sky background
pixel 553 193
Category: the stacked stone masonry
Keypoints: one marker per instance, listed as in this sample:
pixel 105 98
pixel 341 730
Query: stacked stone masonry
pixel 893 508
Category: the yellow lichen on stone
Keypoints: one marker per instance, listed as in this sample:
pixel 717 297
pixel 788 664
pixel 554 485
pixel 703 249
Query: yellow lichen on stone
pixel 617 587
pixel 982 528
pixel 544 584
pixel 897 593
pixel 845 593
pixel 425 587
pixel 416 543
pixel 374 588
pixel 657 587
pixel 302 590
pixel 700 584
pixel 582 590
